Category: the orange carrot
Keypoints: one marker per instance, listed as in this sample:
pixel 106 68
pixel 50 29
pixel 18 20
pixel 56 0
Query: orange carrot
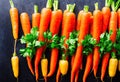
pixel 58 75
pixel 44 23
pixel 88 66
pixel 14 20
pixel 118 17
pixel 97 29
pixel 56 19
pixel 25 22
pixel 35 17
pixel 106 18
pixel 79 20
pixel 84 28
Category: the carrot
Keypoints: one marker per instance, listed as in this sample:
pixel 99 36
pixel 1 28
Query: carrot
pixel 118 17
pixel 35 17
pixel 14 20
pixel 44 23
pixel 97 29
pixel 25 22
pixel 106 18
pixel 15 65
pixel 44 66
pixel 76 76
pixel 56 19
pixel 106 14
pixel 88 66
pixel 58 75
pixel 79 20
pixel 85 20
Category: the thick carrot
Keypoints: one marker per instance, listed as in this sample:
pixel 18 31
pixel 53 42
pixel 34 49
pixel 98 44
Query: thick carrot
pixel 97 29
pixel 106 14
pixel 14 20
pixel 88 66
pixel 79 20
pixel 56 19
pixel 84 28
pixel 35 17
pixel 44 67
pixel 58 75
pixel 25 22
pixel 106 18
pixel 44 23
pixel 118 17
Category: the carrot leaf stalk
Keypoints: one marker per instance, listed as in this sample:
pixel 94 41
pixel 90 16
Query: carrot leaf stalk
pixel 55 5
pixel 70 7
pixel 96 6
pixel 108 3
pixel 49 4
pixel 35 9
pixel 86 8
pixel 11 3
pixel 115 6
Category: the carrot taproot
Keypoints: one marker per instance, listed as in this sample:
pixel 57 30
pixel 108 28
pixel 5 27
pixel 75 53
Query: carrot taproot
pixel 14 20
pixel 25 22
pixel 106 14
pixel 76 76
pixel 35 17
pixel 44 23
pixel 118 17
pixel 88 66
pixel 84 28
pixel 56 20
pixel 79 20
pixel 58 75
pixel 97 29
pixel 44 68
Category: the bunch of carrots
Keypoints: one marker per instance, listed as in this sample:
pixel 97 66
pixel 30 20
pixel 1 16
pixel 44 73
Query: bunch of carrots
pixel 92 35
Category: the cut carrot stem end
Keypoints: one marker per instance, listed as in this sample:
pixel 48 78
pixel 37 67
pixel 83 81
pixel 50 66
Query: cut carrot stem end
pixel 55 5
pixel 49 4
pixel 70 7
pixel 86 8
pixel 96 6
pixel 35 9
pixel 11 3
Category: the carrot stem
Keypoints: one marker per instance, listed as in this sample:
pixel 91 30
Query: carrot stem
pixel 35 9
pixel 55 5
pixel 11 3
pixel 70 7
pixel 86 8
pixel 96 6
pixel 63 57
pixel 113 55
pixel 108 3
pixel 49 4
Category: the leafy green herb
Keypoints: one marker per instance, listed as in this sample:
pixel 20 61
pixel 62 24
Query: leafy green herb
pixel 105 43
pixel 32 43
pixel 88 44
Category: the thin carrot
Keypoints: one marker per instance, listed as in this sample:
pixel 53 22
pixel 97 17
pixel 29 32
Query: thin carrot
pixel 88 66
pixel 79 20
pixel 77 76
pixel 58 75
pixel 44 23
pixel 35 17
pixel 14 20
pixel 56 19
pixel 25 22
pixel 97 29
pixel 85 20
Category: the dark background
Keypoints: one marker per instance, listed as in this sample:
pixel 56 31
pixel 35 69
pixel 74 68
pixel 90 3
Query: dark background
pixel 6 41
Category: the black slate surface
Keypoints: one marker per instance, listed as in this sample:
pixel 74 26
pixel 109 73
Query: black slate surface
pixel 6 41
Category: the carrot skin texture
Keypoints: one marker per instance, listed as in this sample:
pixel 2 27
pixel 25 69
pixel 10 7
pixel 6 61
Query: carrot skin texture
pixel 79 20
pixel 84 28
pixel 58 74
pixel 14 21
pixel 104 65
pixel 97 29
pixel 44 66
pixel 118 17
pixel 25 22
pixel 15 65
pixel 35 19
pixel 44 23
pixel 76 76
pixel 88 66
pixel 106 18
